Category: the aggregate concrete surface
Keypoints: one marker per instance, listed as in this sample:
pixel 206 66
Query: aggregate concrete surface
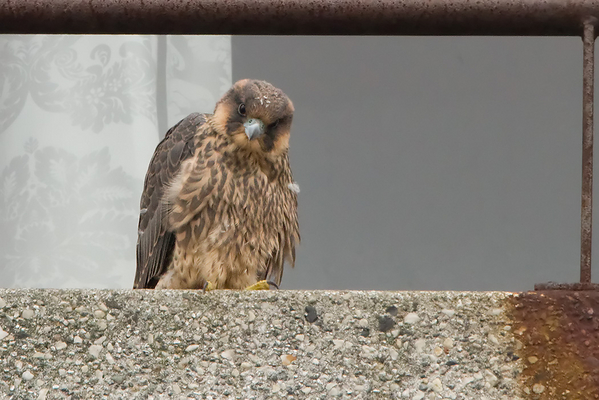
pixel 138 344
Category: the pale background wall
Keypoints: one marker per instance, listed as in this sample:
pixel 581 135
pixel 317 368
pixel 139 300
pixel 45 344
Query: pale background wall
pixel 80 117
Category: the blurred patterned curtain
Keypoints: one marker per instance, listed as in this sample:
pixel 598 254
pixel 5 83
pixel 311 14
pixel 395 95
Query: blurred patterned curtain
pixel 80 117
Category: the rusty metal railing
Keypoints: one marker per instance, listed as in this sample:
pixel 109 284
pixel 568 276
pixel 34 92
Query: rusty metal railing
pixel 339 17
pixel 299 17
pixel 586 214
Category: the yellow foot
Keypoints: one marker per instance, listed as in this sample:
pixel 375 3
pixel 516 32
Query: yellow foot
pixel 260 285
pixel 208 286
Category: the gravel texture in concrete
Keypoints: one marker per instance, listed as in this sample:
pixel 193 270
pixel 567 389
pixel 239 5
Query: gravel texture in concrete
pixel 57 344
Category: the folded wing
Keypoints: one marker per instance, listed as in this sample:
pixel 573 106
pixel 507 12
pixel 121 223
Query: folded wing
pixel 155 243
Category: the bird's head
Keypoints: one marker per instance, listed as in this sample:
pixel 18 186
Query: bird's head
pixel 256 116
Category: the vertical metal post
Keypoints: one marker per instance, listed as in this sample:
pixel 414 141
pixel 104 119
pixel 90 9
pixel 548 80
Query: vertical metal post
pixel 586 209
pixel 586 217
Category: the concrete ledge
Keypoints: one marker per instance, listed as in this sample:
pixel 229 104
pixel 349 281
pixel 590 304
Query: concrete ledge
pixel 57 344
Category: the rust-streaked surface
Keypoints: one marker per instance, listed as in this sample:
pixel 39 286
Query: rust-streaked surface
pixel 299 17
pixel 559 332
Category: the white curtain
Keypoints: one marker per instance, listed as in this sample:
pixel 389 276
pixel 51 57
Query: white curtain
pixel 80 117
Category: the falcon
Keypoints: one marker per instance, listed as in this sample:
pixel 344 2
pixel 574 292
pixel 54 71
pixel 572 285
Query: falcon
pixel 219 205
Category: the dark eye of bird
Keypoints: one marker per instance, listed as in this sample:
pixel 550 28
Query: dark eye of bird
pixel 274 124
pixel 241 109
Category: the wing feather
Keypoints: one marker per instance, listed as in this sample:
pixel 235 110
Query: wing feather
pixel 155 243
pixel 287 238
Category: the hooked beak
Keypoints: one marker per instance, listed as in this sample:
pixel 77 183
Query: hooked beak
pixel 254 128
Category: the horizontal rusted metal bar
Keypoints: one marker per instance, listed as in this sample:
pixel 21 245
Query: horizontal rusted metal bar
pixel 577 286
pixel 299 17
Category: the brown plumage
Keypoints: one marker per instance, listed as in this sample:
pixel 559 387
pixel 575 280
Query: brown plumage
pixel 219 202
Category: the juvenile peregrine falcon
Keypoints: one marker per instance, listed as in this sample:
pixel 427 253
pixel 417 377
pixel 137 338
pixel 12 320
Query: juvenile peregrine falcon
pixel 219 206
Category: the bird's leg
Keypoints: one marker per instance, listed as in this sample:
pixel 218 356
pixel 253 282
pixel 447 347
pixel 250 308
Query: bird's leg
pixel 208 286
pixel 262 285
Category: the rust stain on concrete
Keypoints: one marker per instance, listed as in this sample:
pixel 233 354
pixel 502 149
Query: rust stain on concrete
pixel 558 341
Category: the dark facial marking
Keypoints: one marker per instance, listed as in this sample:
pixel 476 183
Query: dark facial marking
pixel 268 141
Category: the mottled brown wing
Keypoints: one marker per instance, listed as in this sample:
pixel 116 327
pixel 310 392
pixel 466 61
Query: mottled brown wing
pixel 154 243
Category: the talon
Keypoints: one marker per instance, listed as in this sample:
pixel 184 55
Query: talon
pixel 271 283
pixel 208 286
pixel 260 285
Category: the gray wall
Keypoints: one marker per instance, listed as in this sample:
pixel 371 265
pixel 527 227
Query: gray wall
pixel 430 163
